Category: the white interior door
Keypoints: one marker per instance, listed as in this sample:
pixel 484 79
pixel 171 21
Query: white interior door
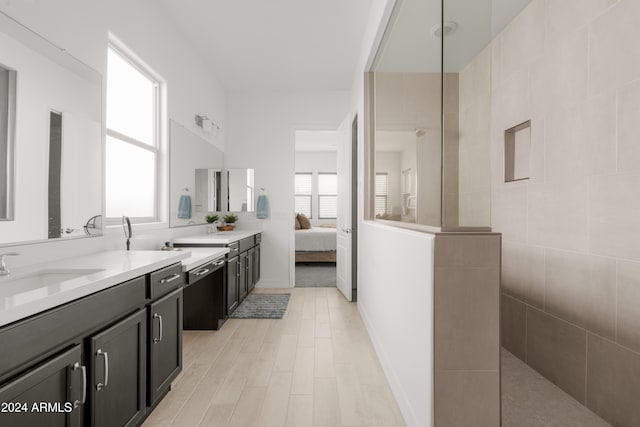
pixel 344 231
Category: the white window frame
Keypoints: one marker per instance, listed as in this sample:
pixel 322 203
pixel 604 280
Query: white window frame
pixel 326 194
pixel 311 174
pixel 385 196
pixel 156 148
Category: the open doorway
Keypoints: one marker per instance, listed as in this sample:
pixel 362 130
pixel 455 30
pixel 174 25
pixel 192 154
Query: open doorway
pixel 316 211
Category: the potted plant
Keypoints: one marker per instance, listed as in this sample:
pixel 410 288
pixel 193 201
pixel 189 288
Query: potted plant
pixel 229 221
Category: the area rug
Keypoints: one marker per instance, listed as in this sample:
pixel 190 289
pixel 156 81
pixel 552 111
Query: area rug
pixel 262 306
pixel 316 275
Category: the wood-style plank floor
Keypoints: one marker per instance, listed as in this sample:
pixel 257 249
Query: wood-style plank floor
pixel 314 367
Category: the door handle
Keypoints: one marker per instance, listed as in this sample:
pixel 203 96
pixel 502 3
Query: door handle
pixel 346 230
pixel 104 354
pixel 201 272
pixel 77 366
pixel 169 278
pixel 159 317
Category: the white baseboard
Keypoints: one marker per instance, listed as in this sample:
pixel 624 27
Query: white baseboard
pixel 397 389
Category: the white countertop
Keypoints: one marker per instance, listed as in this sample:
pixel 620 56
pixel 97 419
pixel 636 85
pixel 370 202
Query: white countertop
pixel 200 255
pixel 219 238
pixel 18 301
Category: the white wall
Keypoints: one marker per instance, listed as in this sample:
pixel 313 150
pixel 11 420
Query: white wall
pixel 82 28
pixel 261 135
pixel 395 298
pixel 316 162
pixel 388 258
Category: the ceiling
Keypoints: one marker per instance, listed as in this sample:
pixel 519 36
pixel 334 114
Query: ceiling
pixel 410 45
pixel 275 45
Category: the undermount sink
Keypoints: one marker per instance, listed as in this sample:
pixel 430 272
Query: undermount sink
pixel 43 278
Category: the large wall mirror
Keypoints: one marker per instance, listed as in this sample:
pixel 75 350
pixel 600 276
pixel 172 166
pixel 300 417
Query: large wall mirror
pixel 50 140
pixel 196 177
pixel 241 190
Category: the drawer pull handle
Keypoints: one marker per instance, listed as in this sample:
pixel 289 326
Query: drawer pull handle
pixel 233 250
pixel 84 384
pixel 157 316
pixel 169 278
pixel 219 263
pixel 104 354
pixel 201 272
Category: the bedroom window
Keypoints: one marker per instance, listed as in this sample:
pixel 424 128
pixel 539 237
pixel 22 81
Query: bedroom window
pixel 382 187
pixel 132 143
pixel 327 195
pixel 304 191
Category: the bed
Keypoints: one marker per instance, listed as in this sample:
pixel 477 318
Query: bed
pixel 317 244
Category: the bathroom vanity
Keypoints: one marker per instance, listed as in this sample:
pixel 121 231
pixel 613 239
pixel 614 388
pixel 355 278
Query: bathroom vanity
pixel 243 261
pixel 205 273
pixel 100 348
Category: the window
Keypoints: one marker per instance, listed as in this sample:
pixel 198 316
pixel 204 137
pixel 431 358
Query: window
pixel 132 144
pixel 382 187
pixel 327 195
pixel 304 187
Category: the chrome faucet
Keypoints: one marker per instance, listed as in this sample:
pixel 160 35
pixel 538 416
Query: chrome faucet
pixel 4 271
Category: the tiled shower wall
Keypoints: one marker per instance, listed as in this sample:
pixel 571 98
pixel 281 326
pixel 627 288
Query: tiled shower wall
pixel 474 142
pixel 571 233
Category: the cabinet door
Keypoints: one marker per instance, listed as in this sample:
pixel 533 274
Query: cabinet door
pixel 256 264
pixel 244 266
pixel 251 254
pixel 233 271
pixel 118 370
pixel 60 383
pixel 165 343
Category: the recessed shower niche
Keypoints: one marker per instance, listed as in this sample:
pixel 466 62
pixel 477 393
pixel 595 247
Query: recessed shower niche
pixel 517 148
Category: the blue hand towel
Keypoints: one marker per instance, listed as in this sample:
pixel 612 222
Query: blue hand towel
pixel 262 207
pixel 184 207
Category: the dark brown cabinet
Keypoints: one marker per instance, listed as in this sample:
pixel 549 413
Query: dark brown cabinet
pixel 98 360
pixel 233 279
pixel 164 318
pixel 118 373
pixel 244 275
pixel 243 268
pixel 255 264
pixel 60 383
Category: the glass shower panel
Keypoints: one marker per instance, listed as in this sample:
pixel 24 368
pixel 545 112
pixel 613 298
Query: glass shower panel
pixel 466 103
pixel 407 117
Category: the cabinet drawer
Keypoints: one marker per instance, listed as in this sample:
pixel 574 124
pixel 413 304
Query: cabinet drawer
pixel 247 243
pixel 37 337
pixel 164 281
pixel 203 271
pixel 234 249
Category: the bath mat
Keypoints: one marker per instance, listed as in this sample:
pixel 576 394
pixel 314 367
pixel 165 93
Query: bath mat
pixel 262 306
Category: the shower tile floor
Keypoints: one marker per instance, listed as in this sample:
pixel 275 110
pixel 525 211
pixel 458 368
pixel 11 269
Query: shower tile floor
pixel 530 400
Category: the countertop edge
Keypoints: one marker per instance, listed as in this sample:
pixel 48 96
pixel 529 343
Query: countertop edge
pixel 110 279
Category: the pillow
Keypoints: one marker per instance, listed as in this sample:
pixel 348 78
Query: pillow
pixel 305 224
pixel 297 225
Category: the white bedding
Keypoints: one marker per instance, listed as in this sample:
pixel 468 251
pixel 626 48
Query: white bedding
pixel 316 239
